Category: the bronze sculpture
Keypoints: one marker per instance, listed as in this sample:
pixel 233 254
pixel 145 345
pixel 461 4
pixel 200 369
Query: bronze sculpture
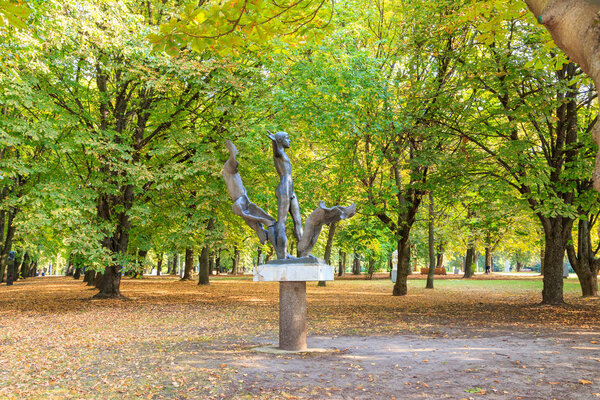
pixel 274 230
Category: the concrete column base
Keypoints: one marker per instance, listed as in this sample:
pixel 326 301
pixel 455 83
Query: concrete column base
pixel 292 316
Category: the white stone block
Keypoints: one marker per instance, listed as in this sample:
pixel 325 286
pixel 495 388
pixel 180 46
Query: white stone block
pixel 299 272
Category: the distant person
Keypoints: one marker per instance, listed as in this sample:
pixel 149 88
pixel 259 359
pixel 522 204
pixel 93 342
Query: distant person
pixel 488 269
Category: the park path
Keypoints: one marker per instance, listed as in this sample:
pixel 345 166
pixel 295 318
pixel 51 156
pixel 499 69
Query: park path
pixel 503 366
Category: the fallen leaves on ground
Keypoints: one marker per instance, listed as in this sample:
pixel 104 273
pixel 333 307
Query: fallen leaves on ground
pixel 55 342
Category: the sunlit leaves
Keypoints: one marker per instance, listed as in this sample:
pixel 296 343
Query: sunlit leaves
pixel 236 26
pixel 13 13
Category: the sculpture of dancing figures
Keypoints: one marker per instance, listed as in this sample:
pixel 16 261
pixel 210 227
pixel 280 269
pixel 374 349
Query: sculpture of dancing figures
pixel 254 216
pixel 286 198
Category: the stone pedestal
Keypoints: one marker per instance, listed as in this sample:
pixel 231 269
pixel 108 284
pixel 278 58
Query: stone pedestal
pixel 292 316
pixel 292 276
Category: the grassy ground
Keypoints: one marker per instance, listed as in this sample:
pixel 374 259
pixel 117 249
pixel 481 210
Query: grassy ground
pixel 57 343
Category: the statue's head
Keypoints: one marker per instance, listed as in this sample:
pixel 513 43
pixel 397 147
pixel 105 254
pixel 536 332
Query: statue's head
pixel 282 139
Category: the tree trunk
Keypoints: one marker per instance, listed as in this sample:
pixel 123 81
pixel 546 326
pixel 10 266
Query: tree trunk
pixel 400 287
pixel 431 244
pixel 371 269
pixel 557 231
pixel 342 263
pixel 469 261
pixel 211 264
pixel 6 245
pixel 328 246
pixel 204 261
pixel 139 264
pixel 519 266
pixel 174 264
pixel 584 262
pixel 235 261
pixel 440 256
pixel 189 265
pixel 97 283
pixel 32 268
pixel 25 262
pixel 356 264
pixel 218 262
pixel 2 224
pixel 258 259
pixel 87 276
pixel 488 258
pixel 159 263
pixel 77 273
pixel 542 257
pixel 70 269
pixel 413 251
pixel 110 283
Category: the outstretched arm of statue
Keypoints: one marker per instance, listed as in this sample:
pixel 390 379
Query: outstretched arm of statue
pixel 231 165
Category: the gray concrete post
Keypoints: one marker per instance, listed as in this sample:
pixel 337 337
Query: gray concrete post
pixel 292 316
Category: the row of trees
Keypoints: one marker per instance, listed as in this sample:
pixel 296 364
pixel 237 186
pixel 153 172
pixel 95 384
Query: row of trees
pixel 455 117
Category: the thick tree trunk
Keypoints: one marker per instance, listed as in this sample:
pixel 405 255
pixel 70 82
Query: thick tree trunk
pixel 342 263
pixel 87 276
pixel 97 283
pixel 189 265
pixel 556 232
pixel 400 287
pixel 469 261
pixel 519 266
pixel 77 273
pixel 110 286
pixel 204 261
pixel 431 244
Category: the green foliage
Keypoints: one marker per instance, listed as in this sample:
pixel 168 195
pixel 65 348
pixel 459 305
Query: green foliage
pixel 234 27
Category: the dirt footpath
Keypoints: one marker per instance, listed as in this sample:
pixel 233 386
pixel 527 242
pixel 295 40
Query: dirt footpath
pixel 412 367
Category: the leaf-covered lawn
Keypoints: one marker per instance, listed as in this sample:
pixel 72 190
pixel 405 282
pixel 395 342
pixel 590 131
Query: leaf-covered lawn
pixel 57 343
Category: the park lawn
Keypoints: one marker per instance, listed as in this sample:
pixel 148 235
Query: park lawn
pixel 57 343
